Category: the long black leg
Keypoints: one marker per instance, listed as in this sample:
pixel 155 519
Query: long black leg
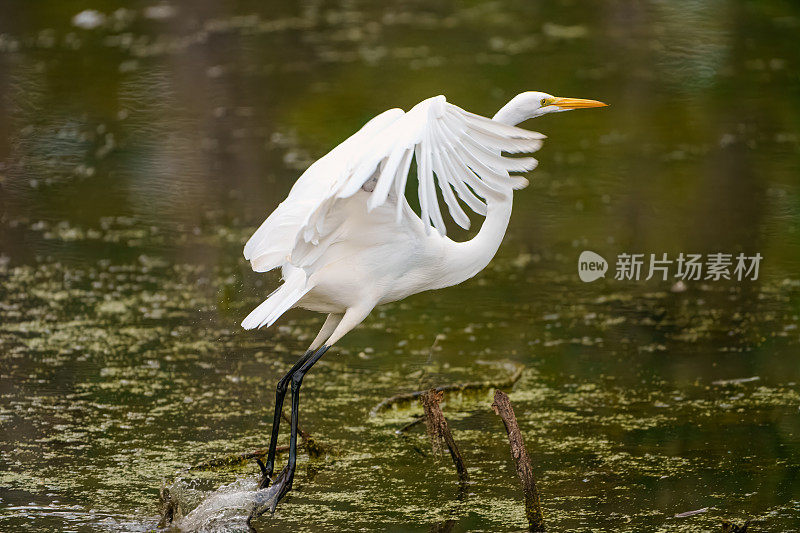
pixel 280 394
pixel 287 475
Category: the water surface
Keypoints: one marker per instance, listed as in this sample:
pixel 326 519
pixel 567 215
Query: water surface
pixel 140 146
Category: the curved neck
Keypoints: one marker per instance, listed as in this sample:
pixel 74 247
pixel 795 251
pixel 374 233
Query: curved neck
pixel 469 258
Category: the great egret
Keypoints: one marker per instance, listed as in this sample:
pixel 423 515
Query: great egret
pixel 347 240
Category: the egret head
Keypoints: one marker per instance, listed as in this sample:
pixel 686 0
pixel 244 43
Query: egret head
pixel 533 104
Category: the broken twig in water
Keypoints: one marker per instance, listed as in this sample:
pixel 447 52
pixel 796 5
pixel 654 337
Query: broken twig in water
pixel 410 425
pixel 737 381
pixel 691 513
pixel 533 508
pixel 313 448
pixel 439 432
pixel 168 507
pixel 234 459
pixel 455 387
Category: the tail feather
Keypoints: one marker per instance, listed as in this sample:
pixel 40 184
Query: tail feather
pixel 294 287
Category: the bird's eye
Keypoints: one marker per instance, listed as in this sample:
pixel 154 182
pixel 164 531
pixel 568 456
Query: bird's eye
pixel 544 102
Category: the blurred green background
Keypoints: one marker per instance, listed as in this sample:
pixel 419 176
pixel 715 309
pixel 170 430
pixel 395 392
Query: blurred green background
pixel 141 144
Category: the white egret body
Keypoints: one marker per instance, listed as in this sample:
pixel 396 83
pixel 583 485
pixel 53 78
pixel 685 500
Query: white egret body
pixel 347 240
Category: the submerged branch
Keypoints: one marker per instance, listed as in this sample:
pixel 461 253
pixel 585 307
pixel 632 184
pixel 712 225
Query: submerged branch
pixel 234 459
pixel 168 507
pixel 408 397
pixel 522 461
pixel 439 432
pixel 314 449
pixel 410 425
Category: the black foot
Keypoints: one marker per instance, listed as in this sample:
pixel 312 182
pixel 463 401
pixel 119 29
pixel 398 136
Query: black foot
pixel 269 501
pixel 282 486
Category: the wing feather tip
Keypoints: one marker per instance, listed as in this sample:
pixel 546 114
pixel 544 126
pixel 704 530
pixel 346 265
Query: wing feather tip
pixel 249 324
pixel 518 182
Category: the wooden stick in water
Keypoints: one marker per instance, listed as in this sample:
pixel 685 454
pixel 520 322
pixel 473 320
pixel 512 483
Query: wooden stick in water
pixel 234 459
pixel 439 432
pixel 533 508
pixel 314 449
pixel 455 387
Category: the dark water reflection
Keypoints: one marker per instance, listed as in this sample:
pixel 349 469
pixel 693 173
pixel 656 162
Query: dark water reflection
pixel 137 156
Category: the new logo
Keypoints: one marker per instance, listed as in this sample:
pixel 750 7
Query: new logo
pixel 591 266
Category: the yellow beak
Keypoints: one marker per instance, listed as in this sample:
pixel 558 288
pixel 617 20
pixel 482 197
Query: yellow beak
pixel 576 103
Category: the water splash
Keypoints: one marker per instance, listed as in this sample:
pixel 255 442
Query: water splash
pixel 224 509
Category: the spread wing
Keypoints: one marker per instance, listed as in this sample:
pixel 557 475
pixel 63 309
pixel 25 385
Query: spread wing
pixel 457 151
